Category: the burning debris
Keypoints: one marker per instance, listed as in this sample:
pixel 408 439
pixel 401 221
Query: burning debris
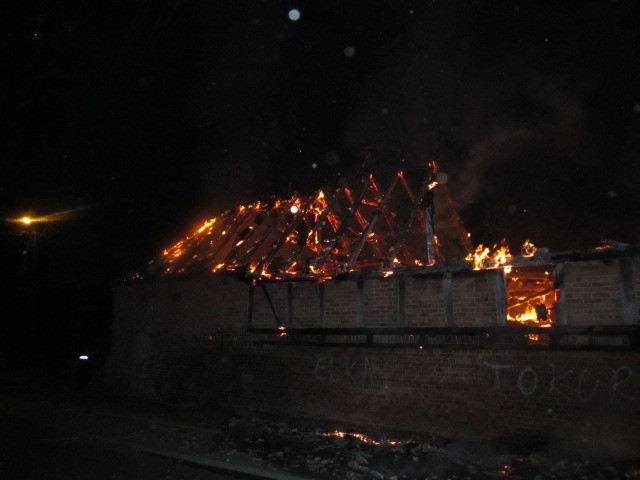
pixel 364 227
pixel 485 257
pixel 337 454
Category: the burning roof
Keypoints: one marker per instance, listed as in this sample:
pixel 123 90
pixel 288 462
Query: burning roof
pixel 359 227
pixel 366 227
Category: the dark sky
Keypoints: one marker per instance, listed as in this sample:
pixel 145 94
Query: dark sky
pixel 158 113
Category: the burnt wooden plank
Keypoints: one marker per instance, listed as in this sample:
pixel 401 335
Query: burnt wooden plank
pixel 558 283
pixel 365 233
pixel 500 289
pixel 360 320
pixel 402 300
pixel 250 307
pixel 321 302
pixel 447 287
pixel 629 297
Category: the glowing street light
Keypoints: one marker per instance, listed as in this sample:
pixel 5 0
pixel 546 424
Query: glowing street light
pixel 49 218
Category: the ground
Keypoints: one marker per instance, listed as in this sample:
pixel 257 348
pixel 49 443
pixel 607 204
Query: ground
pixel 59 433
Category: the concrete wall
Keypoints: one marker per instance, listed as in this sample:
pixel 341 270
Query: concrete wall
pixel 186 341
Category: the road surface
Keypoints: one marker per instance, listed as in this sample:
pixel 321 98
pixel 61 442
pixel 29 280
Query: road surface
pixel 29 450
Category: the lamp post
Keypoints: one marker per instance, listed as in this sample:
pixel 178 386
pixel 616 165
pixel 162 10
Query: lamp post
pixel 32 289
pixel 19 277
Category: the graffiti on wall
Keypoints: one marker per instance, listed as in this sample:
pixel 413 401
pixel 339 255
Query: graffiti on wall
pixel 356 372
pixel 619 383
pixel 580 384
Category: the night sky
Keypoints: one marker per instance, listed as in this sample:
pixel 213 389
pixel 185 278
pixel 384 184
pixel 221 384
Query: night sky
pixel 152 115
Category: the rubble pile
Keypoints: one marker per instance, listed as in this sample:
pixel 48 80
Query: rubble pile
pixel 321 454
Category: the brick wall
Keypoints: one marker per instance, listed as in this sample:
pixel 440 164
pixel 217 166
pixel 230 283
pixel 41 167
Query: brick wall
pixel 185 341
pixel 471 393
pixel 474 299
pixel 166 336
pixel 262 313
pixel 424 302
pixel 306 305
pixel 380 302
pixel 341 306
pixel 375 302
pixel 593 293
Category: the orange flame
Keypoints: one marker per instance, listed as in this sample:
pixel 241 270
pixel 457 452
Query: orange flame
pixel 485 257
pixel 308 236
pixel 528 249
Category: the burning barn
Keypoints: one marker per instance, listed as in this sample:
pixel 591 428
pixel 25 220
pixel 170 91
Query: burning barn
pixel 369 306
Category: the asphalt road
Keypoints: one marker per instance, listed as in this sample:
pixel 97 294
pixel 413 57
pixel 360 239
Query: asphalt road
pixel 29 450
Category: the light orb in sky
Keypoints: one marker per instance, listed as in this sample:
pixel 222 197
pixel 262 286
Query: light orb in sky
pixel 442 178
pixel 294 14
pixel 294 209
pixel 26 220
pixel 349 52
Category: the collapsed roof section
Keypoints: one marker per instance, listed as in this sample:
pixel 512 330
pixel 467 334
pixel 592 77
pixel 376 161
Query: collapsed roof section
pixel 361 227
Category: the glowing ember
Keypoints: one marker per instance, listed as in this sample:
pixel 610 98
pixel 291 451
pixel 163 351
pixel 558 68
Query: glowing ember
pixel 319 236
pixel 528 249
pixel 532 316
pixel 206 225
pixel 363 438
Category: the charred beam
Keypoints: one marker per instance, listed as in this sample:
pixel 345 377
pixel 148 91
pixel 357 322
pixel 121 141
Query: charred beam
pixel 429 227
pixel 495 338
pixel 345 224
pixel 250 307
pixel 228 234
pixel 596 330
pixel 365 234
pixel 271 305
pixel 321 301
pixel 501 298
pixel 402 301
pixel 245 231
pixel 265 235
pixel 558 283
pixel 629 296
pixel 360 303
pixel 317 226
pixel 404 229
pixel 290 304
pixel 447 291
pixel 392 224
pixel 533 296
pixel 266 261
